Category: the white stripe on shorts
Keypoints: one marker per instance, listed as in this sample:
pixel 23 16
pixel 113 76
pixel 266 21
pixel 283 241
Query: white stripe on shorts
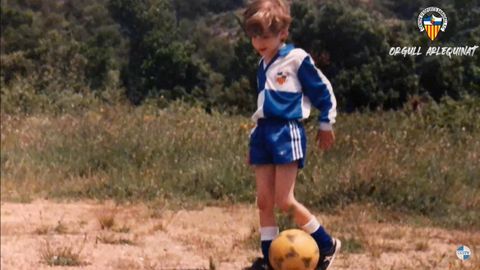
pixel 299 141
pixel 294 152
pixel 296 141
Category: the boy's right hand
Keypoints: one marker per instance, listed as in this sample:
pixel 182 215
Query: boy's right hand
pixel 325 139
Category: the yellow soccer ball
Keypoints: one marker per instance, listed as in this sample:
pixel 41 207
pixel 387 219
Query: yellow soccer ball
pixel 294 250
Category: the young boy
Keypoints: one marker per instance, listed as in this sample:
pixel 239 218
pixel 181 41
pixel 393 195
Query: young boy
pixel 288 84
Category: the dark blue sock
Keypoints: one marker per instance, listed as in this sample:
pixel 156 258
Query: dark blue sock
pixel 265 248
pixel 323 239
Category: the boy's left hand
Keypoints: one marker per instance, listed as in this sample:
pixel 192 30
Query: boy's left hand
pixel 325 139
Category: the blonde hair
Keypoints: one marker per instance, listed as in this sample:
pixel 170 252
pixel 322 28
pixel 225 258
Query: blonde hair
pixel 266 16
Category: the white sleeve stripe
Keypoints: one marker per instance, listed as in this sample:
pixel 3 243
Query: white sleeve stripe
pixel 332 112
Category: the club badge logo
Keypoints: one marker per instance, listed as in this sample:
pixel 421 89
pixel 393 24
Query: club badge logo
pixel 281 77
pixel 432 20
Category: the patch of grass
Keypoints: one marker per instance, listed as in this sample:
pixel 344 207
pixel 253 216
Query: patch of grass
pixel 252 241
pixel 352 245
pixel 395 234
pixel 63 255
pixel 389 246
pixel 106 219
pixel 211 264
pixel 42 229
pixel 61 228
pixel 111 239
pixel 285 221
pixel 160 226
pixel 200 242
pixel 422 163
pixel 122 229
pixel 422 246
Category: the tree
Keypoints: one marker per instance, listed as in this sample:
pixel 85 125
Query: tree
pixel 351 46
pixel 187 9
pixel 159 62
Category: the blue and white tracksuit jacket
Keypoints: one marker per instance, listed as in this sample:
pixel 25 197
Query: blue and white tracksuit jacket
pixel 287 88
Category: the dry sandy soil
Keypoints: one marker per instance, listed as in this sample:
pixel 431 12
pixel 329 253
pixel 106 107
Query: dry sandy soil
pixel 208 238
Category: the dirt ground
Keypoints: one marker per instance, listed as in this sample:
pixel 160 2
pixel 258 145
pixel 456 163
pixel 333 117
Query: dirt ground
pixel 139 237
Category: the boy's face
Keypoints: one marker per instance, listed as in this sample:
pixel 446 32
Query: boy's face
pixel 267 45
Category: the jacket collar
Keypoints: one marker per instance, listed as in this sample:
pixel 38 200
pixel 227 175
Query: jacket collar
pixel 285 49
pixel 282 52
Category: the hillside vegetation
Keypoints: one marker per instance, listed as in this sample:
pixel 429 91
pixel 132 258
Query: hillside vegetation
pixel 55 53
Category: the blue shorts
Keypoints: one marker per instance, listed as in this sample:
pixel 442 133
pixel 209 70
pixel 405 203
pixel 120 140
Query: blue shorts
pixel 275 141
